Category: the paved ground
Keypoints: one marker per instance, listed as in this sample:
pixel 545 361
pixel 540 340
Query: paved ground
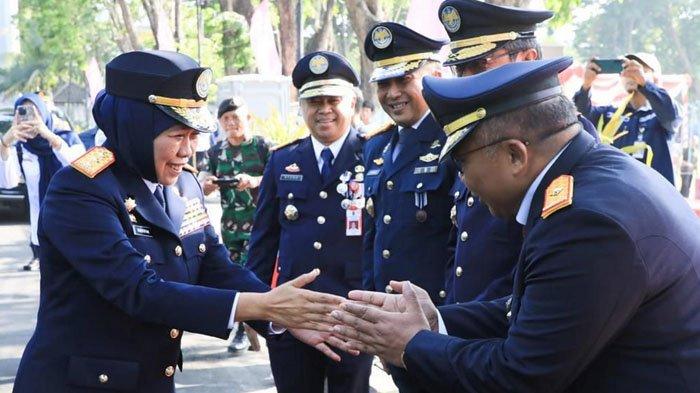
pixel 207 369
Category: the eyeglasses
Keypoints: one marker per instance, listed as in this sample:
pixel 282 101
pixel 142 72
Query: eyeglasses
pixel 480 65
pixel 459 160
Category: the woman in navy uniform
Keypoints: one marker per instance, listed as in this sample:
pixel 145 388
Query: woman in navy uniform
pixel 129 259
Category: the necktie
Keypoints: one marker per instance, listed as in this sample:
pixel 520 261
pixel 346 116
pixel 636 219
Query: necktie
pixel 399 144
pixel 158 193
pixel 327 157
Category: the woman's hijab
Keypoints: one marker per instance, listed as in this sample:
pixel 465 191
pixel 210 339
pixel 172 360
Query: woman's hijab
pixel 48 162
pixel 130 127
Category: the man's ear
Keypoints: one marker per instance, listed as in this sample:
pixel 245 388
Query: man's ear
pixel 528 54
pixel 518 158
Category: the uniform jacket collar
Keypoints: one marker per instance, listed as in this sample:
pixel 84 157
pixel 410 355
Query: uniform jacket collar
pixel 146 204
pixel 426 133
pixel 349 153
pixel 579 146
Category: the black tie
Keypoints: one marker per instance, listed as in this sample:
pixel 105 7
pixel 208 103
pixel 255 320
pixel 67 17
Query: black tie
pixel 158 193
pixel 327 157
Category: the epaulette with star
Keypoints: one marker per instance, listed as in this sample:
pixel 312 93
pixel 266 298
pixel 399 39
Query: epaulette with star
pixel 558 195
pixel 93 161
pixel 283 145
pixel 379 130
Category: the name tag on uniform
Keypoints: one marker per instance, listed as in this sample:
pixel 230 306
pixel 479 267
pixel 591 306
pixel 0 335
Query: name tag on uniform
pixel 425 169
pixel 353 221
pixel 290 177
pixel 195 217
pixel 373 172
pixel 141 230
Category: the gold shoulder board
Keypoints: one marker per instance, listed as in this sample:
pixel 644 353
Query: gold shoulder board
pixel 93 161
pixel 558 195
pixel 379 130
pixel 283 145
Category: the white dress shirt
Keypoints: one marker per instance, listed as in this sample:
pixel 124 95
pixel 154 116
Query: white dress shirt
pixel 335 148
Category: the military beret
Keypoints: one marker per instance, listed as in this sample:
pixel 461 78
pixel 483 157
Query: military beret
pixel 230 104
pixel 395 50
pixel 477 28
pixel 171 81
pixel 324 74
pixel 460 104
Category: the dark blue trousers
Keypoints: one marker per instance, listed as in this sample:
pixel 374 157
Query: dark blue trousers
pixel 298 367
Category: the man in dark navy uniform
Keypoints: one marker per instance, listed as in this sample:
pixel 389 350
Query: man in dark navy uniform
pixel 408 201
pixel 485 248
pixel 309 216
pixel 129 259
pixel 606 296
pixel 646 122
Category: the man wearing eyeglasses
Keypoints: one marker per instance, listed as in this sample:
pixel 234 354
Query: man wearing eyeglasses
pixel 482 37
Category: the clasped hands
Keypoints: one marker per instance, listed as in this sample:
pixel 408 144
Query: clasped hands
pixel 375 323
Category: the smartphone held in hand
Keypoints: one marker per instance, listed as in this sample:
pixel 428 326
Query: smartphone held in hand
pixel 609 66
pixel 26 113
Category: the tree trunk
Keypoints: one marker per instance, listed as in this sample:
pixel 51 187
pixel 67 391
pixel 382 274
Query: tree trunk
pixel 288 34
pixel 321 40
pixel 177 22
pixel 152 19
pixel 363 15
pixel 245 8
pixel 128 25
pixel 158 20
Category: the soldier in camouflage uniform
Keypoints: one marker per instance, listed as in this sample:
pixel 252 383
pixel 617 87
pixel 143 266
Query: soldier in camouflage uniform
pixel 242 157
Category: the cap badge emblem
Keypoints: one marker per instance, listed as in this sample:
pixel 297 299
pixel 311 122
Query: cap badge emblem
pixel 451 19
pixel 381 37
pixel 203 82
pixel 318 64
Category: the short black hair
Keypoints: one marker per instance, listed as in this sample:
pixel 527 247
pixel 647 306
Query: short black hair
pixel 368 104
pixel 534 122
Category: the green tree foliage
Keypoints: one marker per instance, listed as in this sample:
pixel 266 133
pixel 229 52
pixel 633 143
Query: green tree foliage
pixel 668 28
pixel 57 38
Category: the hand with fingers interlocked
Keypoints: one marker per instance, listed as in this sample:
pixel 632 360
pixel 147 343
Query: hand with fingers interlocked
pixel 383 324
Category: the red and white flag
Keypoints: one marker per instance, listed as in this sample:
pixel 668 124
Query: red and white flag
pixel 262 40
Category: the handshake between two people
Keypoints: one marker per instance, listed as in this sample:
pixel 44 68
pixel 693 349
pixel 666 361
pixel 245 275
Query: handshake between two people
pixel 375 323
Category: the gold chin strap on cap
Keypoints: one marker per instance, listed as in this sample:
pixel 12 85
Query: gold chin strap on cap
pixel 407 58
pixel 464 121
pixel 484 39
pixel 328 86
pixel 176 102
pixel 475 46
